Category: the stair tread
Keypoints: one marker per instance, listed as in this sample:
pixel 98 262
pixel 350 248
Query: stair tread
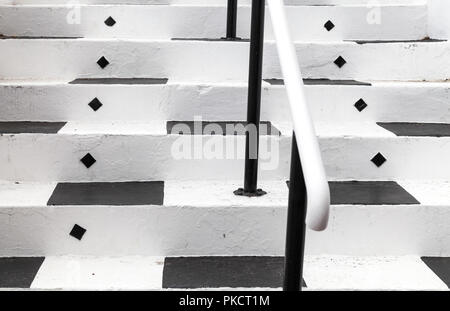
pixel 364 129
pixel 216 193
pixel 320 273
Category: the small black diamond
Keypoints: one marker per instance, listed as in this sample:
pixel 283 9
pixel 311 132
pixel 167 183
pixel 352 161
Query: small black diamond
pixel 379 159
pixel 110 22
pixel 329 25
pixel 340 62
pixel 88 160
pixel 103 62
pixel 360 105
pixel 95 104
pixel 77 232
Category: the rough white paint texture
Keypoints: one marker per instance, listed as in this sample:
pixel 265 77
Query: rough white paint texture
pixel 210 220
pixel 57 101
pixel 94 273
pixel 209 2
pixel 370 273
pixel 439 19
pixel 165 22
pixel 134 151
pixel 217 61
pixel 321 273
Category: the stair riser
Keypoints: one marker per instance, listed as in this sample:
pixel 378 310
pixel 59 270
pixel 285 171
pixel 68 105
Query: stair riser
pixel 209 2
pixel 386 102
pixel 178 231
pixel 145 157
pixel 198 60
pixel 166 22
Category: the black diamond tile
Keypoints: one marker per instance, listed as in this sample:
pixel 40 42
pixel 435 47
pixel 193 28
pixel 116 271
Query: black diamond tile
pixel 369 193
pixel 78 232
pixel 340 62
pixel 329 25
pixel 378 159
pixel 19 272
pixel 110 21
pixel 95 104
pixel 216 272
pixel 361 105
pixel 440 266
pixel 103 62
pixel 417 129
pixel 88 160
pixel 103 193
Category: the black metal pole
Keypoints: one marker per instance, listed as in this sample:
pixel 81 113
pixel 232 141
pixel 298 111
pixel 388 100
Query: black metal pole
pixel 254 100
pixel 296 228
pixel 231 20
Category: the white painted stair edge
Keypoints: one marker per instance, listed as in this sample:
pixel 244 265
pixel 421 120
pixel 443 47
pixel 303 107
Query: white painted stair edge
pixel 399 22
pixel 183 100
pixel 205 218
pixel 200 61
pixel 129 151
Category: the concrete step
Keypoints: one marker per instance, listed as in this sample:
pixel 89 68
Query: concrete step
pixel 226 273
pixel 158 99
pixel 209 2
pixel 357 22
pixel 125 151
pixel 200 218
pixel 224 61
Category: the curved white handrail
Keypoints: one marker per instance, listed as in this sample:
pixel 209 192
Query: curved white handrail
pixel 318 192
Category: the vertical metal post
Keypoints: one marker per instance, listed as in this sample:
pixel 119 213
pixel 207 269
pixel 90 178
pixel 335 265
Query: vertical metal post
pixel 254 100
pixel 296 227
pixel 231 20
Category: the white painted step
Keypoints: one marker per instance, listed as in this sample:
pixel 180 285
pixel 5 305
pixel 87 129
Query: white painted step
pixel 208 2
pixel 217 61
pixel 144 151
pixel 183 100
pixel 187 21
pixel 207 219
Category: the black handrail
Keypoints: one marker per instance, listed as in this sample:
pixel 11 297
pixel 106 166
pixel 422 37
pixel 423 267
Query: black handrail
pixel 231 20
pixel 296 227
pixel 254 101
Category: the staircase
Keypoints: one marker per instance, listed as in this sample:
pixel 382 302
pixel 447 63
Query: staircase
pixel 100 190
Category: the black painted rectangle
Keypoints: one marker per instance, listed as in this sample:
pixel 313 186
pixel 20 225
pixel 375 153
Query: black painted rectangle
pixel 216 272
pixel 27 127
pixel 428 40
pixel 217 127
pixel 440 266
pixel 417 129
pixel 321 82
pixel 124 81
pixel 369 193
pixel 19 272
pixel 212 39
pixel 102 193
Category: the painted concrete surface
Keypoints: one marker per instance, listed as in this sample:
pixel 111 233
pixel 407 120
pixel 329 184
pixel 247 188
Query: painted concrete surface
pixel 68 59
pixel 148 273
pixel 183 100
pixel 208 21
pixel 211 221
